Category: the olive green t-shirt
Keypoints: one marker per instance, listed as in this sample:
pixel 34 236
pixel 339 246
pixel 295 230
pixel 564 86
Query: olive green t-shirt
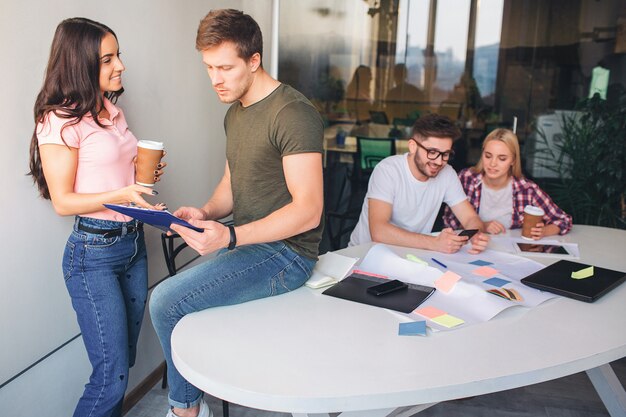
pixel 257 138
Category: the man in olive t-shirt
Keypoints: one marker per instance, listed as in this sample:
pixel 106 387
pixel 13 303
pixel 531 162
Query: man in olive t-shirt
pixel 272 185
pixel 259 136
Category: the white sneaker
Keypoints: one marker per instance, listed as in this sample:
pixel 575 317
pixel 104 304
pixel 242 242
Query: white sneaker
pixel 205 411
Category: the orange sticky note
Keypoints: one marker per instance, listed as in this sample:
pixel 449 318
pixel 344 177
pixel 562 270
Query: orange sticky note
pixel 485 271
pixel 447 281
pixel 430 312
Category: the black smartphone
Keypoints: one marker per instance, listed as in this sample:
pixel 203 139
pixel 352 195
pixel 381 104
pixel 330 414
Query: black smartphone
pixel 468 232
pixel 387 287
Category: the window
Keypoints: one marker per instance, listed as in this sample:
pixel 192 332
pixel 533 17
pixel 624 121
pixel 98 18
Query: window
pixel 484 63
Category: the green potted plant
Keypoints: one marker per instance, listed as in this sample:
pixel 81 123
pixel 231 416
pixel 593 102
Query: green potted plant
pixel 591 162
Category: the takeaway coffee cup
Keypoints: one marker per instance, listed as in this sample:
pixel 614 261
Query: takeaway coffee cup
pixel 149 154
pixel 532 216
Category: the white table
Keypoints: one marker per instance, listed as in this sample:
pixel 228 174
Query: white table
pixel 310 354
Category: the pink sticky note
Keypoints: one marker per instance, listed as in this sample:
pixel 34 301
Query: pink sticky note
pixel 430 312
pixel 485 271
pixel 447 281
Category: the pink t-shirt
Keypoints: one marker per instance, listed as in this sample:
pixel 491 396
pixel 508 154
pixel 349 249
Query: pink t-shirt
pixel 105 156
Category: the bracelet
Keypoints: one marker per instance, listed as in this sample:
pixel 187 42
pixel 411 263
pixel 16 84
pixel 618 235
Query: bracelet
pixel 233 237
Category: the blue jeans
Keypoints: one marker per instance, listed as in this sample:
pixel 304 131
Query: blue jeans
pixel 107 281
pixel 243 274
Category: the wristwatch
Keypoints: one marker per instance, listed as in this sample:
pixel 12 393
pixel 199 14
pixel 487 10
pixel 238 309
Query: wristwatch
pixel 233 237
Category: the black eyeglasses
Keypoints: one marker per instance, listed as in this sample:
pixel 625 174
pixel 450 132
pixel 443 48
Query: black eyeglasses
pixel 433 154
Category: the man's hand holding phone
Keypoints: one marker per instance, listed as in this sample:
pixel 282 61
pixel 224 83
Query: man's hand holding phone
pixel 468 232
pixel 479 241
pixel 448 241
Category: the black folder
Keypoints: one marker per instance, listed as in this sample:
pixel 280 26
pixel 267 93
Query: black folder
pixel 354 288
pixel 557 279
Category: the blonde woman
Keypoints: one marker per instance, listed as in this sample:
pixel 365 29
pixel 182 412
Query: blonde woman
pixel 499 192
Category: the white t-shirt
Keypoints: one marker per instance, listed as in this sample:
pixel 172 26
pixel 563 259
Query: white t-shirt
pixel 497 205
pixel 415 203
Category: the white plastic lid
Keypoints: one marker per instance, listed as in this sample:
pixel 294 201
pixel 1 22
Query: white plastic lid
pixel 535 211
pixel 150 144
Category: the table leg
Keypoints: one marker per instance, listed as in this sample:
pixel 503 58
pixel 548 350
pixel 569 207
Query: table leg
pixel 609 389
pixel 410 411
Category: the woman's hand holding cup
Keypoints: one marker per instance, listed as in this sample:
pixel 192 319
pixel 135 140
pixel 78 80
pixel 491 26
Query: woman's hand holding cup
pixel 148 165
pixel 532 226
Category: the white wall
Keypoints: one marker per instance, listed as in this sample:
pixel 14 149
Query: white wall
pixel 168 97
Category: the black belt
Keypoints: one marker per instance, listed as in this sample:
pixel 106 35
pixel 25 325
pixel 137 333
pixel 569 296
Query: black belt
pixel 131 228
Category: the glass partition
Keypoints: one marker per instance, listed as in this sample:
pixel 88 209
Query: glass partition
pixel 484 63
pixel 373 66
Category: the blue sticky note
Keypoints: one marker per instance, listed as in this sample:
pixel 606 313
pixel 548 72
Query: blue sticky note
pixel 480 262
pixel 496 282
pixel 412 328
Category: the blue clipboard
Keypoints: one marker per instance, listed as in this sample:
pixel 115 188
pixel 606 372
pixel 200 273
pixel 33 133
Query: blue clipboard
pixel 161 219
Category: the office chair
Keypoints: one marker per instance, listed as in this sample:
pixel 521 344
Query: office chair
pixel 369 152
pixel 343 206
pixel 171 249
pixel 343 211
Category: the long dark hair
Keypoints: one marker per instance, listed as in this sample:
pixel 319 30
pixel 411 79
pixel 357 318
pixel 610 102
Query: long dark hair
pixel 71 87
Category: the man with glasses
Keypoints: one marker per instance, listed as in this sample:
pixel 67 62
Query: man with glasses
pixel 405 193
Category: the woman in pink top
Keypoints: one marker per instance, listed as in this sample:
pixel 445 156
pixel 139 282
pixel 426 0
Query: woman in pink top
pixel 82 156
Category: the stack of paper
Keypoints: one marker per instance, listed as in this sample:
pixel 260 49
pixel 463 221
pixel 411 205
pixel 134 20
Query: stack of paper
pixel 330 269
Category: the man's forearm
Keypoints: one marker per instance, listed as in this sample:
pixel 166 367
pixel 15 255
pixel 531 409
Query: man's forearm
pixel 215 209
pixel 474 223
pixel 288 221
pixel 394 235
pixel 220 204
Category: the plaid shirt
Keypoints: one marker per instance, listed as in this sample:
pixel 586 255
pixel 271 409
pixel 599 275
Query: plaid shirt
pixel 524 192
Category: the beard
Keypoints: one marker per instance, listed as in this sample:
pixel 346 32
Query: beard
pixel 427 168
pixel 237 92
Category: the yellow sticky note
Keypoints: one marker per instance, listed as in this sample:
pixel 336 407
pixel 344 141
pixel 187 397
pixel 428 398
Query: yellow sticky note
pixel 447 281
pixel 415 259
pixel 448 321
pixel 583 273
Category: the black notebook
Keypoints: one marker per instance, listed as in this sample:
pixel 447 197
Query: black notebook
pixel 557 279
pixel 354 288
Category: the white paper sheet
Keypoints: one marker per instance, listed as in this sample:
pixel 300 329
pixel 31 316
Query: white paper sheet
pixel 469 299
pixel 380 259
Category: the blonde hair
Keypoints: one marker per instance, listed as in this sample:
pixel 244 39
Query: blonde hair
pixel 510 140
